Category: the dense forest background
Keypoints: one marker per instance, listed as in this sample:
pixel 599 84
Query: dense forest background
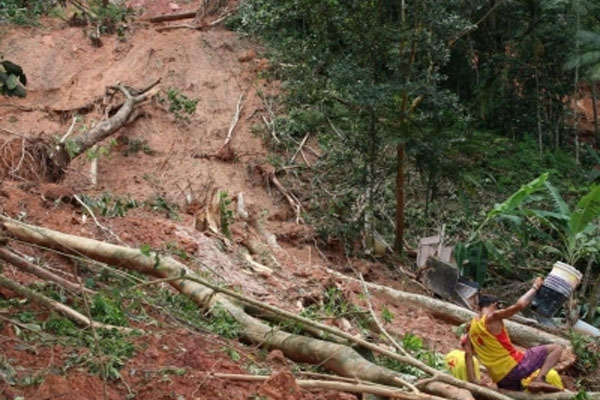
pixel 428 113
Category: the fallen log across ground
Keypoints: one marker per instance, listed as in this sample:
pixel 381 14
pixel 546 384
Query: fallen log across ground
pixel 520 334
pixel 342 360
pixel 68 312
pixel 352 387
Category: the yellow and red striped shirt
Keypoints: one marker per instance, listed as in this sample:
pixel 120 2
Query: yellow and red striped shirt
pixel 496 352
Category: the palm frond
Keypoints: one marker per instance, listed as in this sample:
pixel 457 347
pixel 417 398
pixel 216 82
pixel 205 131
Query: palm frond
pixel 518 197
pixel 588 39
pixel 588 209
pixel 594 73
pixel 542 218
pixel 585 59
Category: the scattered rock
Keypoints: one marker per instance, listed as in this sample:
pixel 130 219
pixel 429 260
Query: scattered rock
pixel 246 56
pixel 281 386
pixel 262 64
pixel 53 192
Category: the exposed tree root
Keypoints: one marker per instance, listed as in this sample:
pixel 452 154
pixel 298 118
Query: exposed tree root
pixel 28 159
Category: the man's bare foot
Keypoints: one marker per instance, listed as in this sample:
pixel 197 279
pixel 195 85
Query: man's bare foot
pixel 567 358
pixel 537 386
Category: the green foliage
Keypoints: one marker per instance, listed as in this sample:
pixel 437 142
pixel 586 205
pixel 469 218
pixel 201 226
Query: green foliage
pixel 159 203
pixel 386 315
pixel 134 146
pixel 172 371
pixel 95 152
pixel 572 234
pixel 109 17
pixel 109 206
pixel 587 55
pixel 507 207
pixel 412 343
pixel 233 355
pixel 107 310
pixel 115 351
pixel 114 348
pixel 113 206
pixel 472 260
pixel 586 350
pixel 26 317
pixel 415 345
pixel 179 104
pixel 361 89
pixel 73 149
pixel 60 326
pixel 227 214
pixel 223 324
pixel 12 79
pixel 581 395
pixel 24 12
pixel 335 303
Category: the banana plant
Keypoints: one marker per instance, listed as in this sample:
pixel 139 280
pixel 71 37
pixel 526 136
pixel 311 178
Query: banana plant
pixel 572 233
pixel 472 255
pixel 577 229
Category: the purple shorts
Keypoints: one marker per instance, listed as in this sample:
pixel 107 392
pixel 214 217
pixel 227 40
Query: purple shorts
pixel 533 360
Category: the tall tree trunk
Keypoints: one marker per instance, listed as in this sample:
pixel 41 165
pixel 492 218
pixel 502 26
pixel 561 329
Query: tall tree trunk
pixel 576 83
pixel 538 113
pixel 593 300
pixel 595 110
pixel 369 227
pixel 399 239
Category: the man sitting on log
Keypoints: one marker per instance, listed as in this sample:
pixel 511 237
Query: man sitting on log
pixel 508 367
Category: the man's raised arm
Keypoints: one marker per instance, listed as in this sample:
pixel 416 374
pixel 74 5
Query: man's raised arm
pixel 521 304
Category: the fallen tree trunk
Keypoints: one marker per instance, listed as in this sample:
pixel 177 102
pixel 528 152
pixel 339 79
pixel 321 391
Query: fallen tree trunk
pixel 68 312
pixel 448 391
pixel 31 268
pixel 81 143
pixel 520 334
pixel 353 387
pixel 173 17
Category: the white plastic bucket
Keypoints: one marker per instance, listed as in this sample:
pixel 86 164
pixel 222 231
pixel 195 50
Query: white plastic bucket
pixel 567 273
pixel 586 329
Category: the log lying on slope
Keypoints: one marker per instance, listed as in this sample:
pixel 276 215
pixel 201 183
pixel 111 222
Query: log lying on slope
pixel 340 359
pixel 521 334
